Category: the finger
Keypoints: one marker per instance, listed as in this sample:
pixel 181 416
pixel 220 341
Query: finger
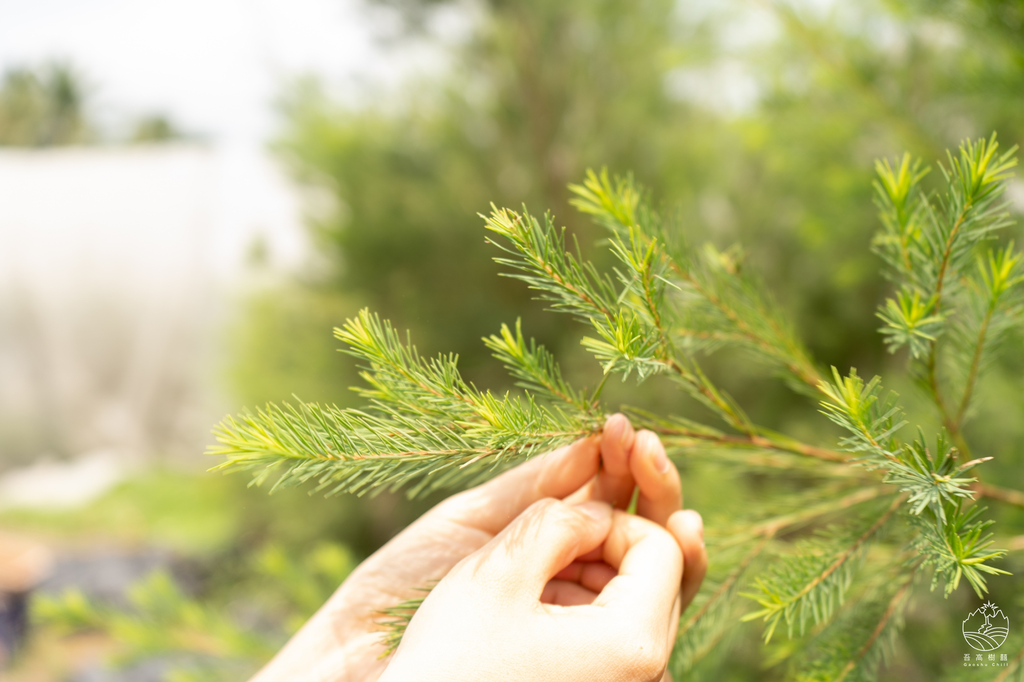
pixel 687 527
pixel 650 566
pixel 593 575
pixel 660 491
pixel 616 441
pixel 593 555
pixel 493 505
pixel 566 593
pixel 614 483
pixel 538 544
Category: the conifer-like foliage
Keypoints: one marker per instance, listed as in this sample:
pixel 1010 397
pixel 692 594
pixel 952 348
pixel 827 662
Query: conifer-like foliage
pixel 887 510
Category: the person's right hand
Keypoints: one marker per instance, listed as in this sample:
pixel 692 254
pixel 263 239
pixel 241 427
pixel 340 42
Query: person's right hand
pixel 488 620
pixel 632 460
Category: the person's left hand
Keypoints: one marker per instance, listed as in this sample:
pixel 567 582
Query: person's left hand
pixel 342 641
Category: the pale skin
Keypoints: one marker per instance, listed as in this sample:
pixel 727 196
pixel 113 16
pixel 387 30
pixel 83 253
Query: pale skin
pixel 541 574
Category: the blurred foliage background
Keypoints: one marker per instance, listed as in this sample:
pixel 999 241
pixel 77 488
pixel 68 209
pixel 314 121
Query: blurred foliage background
pixel 756 121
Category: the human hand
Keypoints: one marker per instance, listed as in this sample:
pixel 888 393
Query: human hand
pixel 343 640
pixel 488 620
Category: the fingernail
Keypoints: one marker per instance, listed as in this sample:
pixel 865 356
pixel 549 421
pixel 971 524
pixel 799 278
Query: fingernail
pixel 614 429
pixel 700 524
pixel 595 510
pixel 658 456
pixel 621 421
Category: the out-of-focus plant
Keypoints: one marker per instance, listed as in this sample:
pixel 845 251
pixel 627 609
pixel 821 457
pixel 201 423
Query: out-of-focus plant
pixel 202 639
pixel 155 128
pixel 538 93
pixel 541 91
pixel 49 105
pixel 164 621
pixel 265 360
pixel 258 566
pixel 43 107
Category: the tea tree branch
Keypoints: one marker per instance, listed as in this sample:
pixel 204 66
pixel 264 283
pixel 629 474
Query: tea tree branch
pixel 872 505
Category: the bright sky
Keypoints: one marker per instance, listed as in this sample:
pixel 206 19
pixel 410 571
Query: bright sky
pixel 214 65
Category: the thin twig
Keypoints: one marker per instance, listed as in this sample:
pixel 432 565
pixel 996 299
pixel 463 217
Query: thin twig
pixel 721 592
pixel 952 426
pixel 774 525
pixel 726 410
pixel 975 364
pixel 755 441
pixel 806 373
pixel 851 550
pixel 768 460
pixel 727 584
pixel 993 492
pixel 894 605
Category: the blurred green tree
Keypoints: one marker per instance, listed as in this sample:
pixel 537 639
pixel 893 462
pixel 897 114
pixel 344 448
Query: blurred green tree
pixel 155 128
pixel 48 105
pixel 43 107
pixel 541 91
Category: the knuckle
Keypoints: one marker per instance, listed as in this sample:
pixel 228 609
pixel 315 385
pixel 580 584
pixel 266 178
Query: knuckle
pixel 484 578
pixel 549 508
pixel 546 504
pixel 550 513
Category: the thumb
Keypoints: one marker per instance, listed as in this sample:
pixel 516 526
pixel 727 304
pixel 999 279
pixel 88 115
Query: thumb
pixel 539 543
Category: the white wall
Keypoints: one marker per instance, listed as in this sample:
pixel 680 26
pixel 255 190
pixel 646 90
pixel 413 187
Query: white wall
pixel 117 268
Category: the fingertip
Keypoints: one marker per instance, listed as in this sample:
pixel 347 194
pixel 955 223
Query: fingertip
pixel 616 441
pixel 649 449
pixel 660 488
pixel 614 426
pixel 627 434
pixel 687 526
